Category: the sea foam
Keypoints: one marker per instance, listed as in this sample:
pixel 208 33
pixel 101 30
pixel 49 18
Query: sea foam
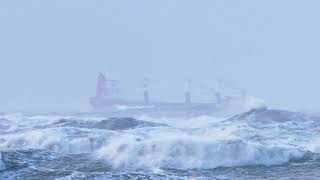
pixel 181 151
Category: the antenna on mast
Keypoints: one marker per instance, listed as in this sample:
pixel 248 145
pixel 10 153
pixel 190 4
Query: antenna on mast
pixel 187 94
pixel 145 91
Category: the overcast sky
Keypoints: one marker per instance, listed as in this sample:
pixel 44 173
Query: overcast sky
pixel 51 51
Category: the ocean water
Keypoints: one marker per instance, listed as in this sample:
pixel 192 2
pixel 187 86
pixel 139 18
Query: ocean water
pixel 254 144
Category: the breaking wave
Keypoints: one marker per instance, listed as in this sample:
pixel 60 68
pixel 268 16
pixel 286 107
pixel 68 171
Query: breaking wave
pixel 189 152
pixel 145 143
pixel 69 135
pixel 257 137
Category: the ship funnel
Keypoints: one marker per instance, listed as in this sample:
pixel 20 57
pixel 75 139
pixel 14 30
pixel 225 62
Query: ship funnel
pixel 146 91
pixel 187 94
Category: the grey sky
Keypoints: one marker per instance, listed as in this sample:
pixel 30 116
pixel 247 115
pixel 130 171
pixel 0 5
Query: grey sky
pixel 51 51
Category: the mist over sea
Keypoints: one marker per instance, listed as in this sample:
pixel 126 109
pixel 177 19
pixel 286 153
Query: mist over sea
pixel 257 143
pixel 159 89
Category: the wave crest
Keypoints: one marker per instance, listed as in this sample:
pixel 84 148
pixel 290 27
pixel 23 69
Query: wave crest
pixel 189 152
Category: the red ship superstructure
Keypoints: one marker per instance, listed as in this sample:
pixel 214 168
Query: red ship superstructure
pixel 107 93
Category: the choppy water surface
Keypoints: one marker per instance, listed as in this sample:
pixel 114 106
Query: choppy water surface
pixel 258 144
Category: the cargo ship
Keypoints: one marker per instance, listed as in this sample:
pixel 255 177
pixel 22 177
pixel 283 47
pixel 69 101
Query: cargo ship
pixel 107 98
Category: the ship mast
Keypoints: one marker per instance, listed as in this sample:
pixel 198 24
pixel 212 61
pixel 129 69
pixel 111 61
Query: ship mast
pixel 218 93
pixel 187 94
pixel 145 91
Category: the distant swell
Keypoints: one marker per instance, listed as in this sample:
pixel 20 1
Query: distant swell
pixel 110 124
